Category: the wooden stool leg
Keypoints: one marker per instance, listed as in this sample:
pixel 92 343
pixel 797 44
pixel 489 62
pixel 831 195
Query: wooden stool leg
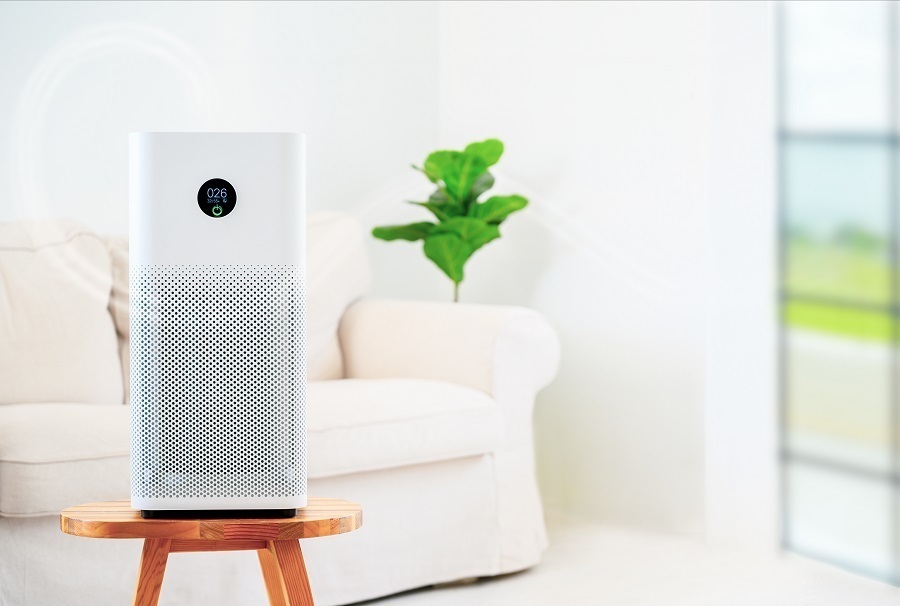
pixel 153 567
pixel 285 574
pixel 272 574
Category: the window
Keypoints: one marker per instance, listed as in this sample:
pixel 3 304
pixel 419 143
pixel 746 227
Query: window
pixel 839 282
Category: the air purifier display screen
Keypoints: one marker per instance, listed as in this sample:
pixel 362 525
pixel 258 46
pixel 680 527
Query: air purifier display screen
pixel 217 198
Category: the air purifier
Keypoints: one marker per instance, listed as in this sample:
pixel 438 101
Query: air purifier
pixel 218 362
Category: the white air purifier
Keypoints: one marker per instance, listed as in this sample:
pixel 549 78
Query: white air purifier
pixel 218 336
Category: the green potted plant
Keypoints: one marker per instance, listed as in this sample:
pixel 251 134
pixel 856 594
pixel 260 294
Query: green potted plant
pixel 463 223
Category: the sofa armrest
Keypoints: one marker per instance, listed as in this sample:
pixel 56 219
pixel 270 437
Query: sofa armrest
pixel 503 351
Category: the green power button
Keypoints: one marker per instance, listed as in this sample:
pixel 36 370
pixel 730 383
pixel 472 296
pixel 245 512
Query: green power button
pixel 216 210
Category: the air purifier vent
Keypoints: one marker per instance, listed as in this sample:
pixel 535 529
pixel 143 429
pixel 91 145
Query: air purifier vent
pixel 218 374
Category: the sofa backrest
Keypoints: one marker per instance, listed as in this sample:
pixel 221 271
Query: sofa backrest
pixel 64 307
pixel 338 274
pixel 57 339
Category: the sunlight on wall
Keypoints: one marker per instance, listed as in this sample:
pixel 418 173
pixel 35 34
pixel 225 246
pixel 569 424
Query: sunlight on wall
pixel 89 49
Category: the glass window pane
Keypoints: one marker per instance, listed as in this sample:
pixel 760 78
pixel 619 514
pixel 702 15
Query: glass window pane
pixel 836 65
pixel 858 324
pixel 837 212
pixel 838 390
pixel 839 313
pixel 842 518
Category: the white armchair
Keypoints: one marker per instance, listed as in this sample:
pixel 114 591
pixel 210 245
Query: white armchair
pixel 508 353
pixel 419 411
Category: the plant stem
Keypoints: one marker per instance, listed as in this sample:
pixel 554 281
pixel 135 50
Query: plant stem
pixel 456 292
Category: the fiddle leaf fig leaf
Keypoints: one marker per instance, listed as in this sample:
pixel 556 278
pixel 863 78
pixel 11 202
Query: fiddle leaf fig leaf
pixel 481 185
pixel 461 174
pixel 479 239
pixel 474 231
pixel 460 171
pixel 496 208
pixel 437 164
pixel 441 210
pixel 488 150
pixel 449 252
pixel 440 197
pixel 411 232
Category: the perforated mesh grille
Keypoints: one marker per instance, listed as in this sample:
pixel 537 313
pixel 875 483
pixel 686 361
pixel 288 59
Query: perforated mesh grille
pixel 218 374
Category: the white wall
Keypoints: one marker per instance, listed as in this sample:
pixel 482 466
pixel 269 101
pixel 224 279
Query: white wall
pixel 77 77
pixel 638 130
pixel 644 135
pixel 741 421
pixel 605 109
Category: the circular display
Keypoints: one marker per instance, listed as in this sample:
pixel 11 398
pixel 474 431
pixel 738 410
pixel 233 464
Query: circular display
pixel 217 198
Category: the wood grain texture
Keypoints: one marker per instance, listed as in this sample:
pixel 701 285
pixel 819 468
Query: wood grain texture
pixel 151 572
pixel 117 520
pixel 275 587
pixel 293 572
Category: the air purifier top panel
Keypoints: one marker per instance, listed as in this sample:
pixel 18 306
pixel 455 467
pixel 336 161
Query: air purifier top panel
pixel 217 198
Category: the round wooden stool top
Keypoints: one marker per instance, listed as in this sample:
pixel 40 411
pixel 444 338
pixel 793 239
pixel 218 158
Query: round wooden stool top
pixel 117 520
pixel 275 541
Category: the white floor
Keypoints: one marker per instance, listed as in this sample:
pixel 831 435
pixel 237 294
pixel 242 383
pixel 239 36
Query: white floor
pixel 592 564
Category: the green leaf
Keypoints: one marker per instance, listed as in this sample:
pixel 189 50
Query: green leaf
pixel 481 185
pixel 496 208
pixel 462 174
pixel 441 210
pixel 489 150
pixel 460 171
pixel 474 231
pixel 452 208
pixel 449 252
pixel 437 164
pixel 411 232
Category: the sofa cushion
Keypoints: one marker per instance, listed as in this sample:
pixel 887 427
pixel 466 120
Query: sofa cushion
pixel 360 425
pixel 54 456
pixel 57 455
pixel 58 338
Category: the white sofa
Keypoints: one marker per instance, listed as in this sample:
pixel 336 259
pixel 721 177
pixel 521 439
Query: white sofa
pixel 419 411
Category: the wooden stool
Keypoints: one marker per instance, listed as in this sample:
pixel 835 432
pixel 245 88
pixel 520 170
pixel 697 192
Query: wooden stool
pixel 275 541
